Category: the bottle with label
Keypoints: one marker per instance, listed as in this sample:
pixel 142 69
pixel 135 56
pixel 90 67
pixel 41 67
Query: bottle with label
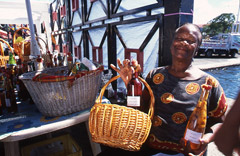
pixel 197 122
pixel 134 92
pixel 39 63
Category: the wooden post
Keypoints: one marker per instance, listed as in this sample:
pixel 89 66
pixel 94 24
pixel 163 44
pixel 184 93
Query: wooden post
pixel 172 20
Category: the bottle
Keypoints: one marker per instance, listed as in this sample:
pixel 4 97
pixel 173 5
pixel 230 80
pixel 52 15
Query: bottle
pixel 10 100
pixel 74 69
pixel 39 63
pixel 69 61
pixel 2 89
pixel 30 66
pixel 82 67
pixel 60 59
pixel 55 61
pixel 197 122
pixel 88 63
pixel 11 68
pixel 2 98
pixel 134 91
pixel 49 60
pixel 11 59
pixel 19 83
pixel 10 97
pixel 1 101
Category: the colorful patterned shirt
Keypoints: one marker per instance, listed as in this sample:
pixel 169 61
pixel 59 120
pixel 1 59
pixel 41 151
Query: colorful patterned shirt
pixel 175 100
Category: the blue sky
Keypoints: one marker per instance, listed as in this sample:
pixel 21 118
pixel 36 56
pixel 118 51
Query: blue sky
pixel 205 10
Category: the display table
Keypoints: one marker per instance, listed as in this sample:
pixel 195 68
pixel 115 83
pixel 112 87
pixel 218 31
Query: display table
pixel 29 122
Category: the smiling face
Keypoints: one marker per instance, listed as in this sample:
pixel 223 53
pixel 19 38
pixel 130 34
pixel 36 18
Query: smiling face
pixel 186 42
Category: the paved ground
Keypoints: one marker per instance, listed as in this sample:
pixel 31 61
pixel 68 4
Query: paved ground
pixel 214 62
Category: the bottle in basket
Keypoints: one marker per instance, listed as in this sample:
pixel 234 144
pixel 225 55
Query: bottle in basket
pixel 69 61
pixel 134 91
pixel 198 119
pixel 60 60
pixel 39 63
pixel 74 70
pixel 49 60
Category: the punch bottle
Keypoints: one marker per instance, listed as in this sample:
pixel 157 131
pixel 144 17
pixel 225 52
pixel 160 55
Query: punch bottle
pixel 197 122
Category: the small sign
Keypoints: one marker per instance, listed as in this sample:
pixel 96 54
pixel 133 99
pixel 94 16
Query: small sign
pixel 133 101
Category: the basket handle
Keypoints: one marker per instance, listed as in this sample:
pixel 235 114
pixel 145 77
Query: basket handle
pixel 10 48
pixel 14 35
pixel 152 100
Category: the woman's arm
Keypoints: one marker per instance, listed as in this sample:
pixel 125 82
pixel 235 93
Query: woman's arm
pixel 227 136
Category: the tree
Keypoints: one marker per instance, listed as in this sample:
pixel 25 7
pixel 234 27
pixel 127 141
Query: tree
pixel 220 24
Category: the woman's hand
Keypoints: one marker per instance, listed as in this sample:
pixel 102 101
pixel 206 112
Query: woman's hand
pixel 227 138
pixel 204 141
pixel 126 69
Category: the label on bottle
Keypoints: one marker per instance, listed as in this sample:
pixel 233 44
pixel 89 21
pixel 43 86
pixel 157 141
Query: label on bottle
pixel 133 101
pixel 193 136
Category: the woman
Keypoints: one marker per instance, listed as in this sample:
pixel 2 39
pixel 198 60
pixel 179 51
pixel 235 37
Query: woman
pixel 227 137
pixel 176 89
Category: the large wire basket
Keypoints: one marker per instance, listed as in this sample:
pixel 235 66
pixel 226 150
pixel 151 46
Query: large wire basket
pixel 62 95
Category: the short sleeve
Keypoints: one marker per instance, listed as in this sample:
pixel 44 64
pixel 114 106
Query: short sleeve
pixel 148 78
pixel 218 103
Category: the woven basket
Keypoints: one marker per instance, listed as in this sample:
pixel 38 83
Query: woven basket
pixel 4 59
pixel 120 126
pixel 65 96
pixel 22 48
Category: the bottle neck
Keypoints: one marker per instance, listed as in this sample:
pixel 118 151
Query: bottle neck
pixel 204 95
pixel 203 98
pixel 19 66
pixel 135 75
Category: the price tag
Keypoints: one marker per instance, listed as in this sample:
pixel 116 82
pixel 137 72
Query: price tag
pixel 133 101
pixel 193 136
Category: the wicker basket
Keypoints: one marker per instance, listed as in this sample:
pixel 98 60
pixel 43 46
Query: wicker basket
pixel 120 126
pixel 22 48
pixel 4 59
pixel 65 96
